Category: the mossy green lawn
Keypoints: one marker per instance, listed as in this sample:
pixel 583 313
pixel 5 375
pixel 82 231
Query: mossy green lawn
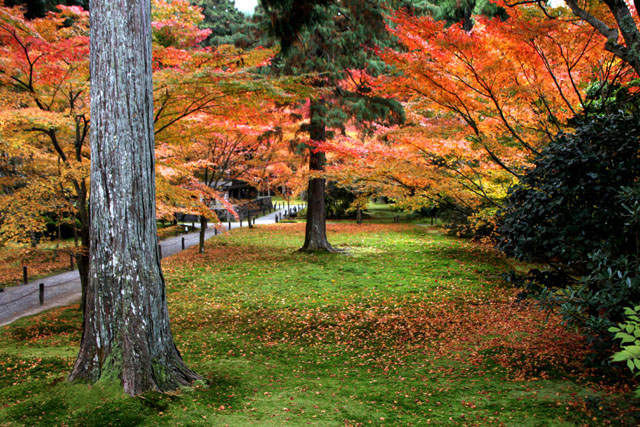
pixel 405 327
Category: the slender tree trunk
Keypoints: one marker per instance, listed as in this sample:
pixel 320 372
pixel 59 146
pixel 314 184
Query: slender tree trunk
pixel 315 238
pixel 126 334
pixel 467 21
pixel 203 229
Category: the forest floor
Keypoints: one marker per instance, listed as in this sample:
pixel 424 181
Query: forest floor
pixel 407 327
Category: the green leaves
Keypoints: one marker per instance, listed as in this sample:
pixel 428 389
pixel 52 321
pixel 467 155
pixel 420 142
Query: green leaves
pixel 577 210
pixel 629 332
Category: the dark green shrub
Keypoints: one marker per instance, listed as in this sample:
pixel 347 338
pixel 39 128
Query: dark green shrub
pixel 577 211
pixel 480 226
pixel 338 200
pixel 568 205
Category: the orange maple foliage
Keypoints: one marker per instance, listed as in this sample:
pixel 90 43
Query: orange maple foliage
pixel 45 122
pixel 480 104
pixel 216 121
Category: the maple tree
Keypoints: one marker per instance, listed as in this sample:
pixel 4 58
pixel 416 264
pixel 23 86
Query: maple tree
pixel 212 106
pixel 45 123
pixel 213 118
pixel 617 21
pixel 45 126
pixel 482 103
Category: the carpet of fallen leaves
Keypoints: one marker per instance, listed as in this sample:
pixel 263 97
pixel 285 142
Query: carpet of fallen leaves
pixel 385 332
pixel 53 327
pixel 477 330
pixel 405 327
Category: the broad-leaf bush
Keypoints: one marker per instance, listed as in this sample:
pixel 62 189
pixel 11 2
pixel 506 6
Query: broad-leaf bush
pixel 568 205
pixel 480 226
pixel 577 212
pixel 598 300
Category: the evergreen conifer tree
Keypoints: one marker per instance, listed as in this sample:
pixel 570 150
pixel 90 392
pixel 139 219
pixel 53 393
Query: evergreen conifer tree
pixel 222 18
pixel 458 11
pixel 330 39
pixel 230 26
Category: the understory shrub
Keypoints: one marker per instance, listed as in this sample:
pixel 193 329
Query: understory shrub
pixel 480 226
pixel 338 200
pixel 569 204
pixel 577 212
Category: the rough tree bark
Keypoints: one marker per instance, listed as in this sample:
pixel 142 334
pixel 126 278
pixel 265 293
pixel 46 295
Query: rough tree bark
pixel 126 334
pixel 315 237
pixel 82 191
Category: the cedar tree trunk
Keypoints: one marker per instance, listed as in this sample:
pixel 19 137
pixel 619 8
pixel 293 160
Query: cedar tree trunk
pixel 126 334
pixel 315 238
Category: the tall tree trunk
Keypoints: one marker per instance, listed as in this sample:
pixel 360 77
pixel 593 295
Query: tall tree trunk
pixel 467 20
pixel 126 334
pixel 315 238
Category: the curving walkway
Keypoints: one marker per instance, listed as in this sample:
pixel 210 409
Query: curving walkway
pixel 64 288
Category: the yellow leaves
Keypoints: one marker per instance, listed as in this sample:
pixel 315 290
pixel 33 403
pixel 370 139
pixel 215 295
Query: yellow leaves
pixel 24 119
pixel 12 18
pixel 44 69
pixel 175 23
pixel 21 211
pixel 260 56
pixel 162 10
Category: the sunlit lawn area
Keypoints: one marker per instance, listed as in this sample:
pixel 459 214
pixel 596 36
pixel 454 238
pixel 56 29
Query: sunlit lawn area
pixel 406 327
pixel 386 213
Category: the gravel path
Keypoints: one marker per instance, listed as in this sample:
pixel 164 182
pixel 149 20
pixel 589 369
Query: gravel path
pixel 64 288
